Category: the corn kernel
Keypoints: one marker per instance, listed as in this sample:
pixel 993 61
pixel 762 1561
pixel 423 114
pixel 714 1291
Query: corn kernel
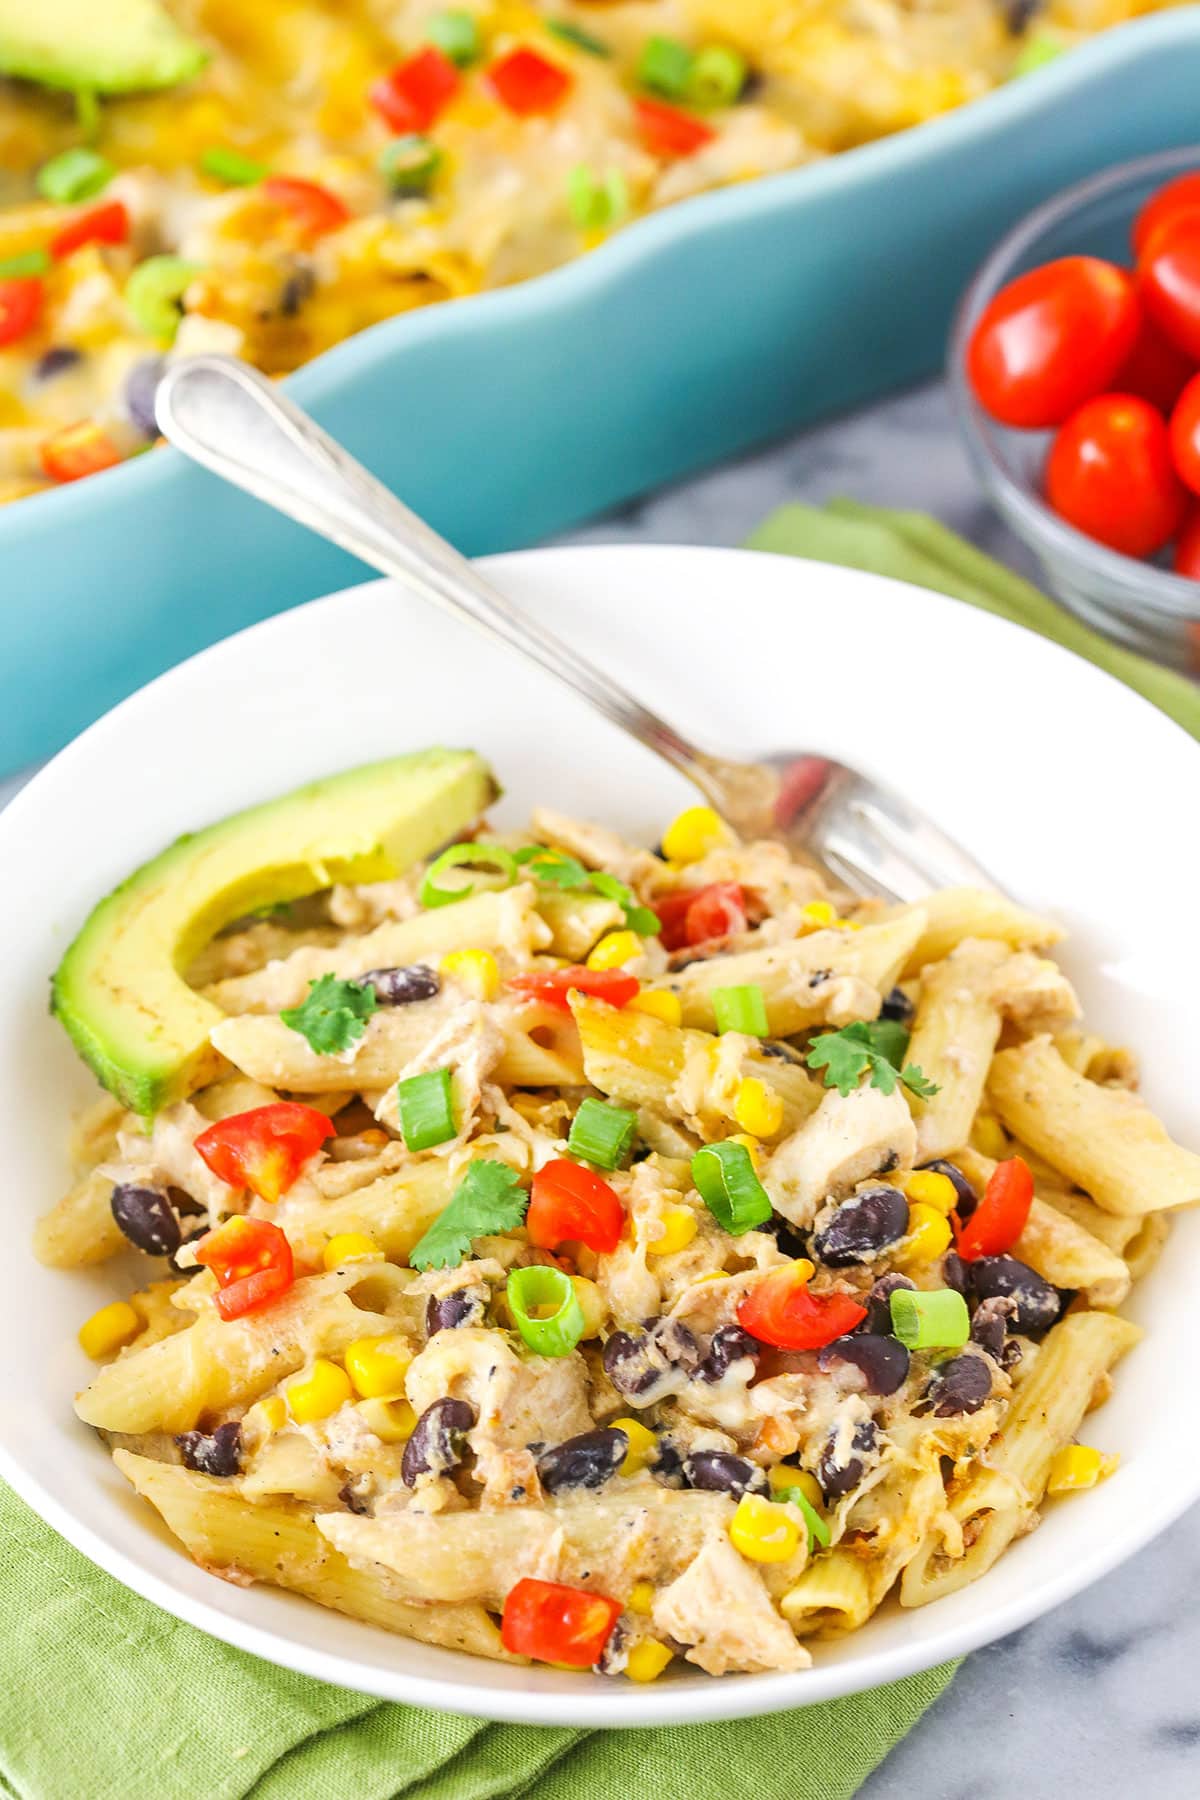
pixel 641 1598
pixel 762 1531
pixel 109 1330
pixel 928 1237
pixel 392 1421
pixel 615 948
pixel 783 1476
pixel 476 970
pixel 377 1367
pixel 925 1187
pixel 659 1003
pixel 350 1246
pixel 647 1660
pixel 270 1414
pixel 323 1391
pixel 819 913
pixel 679 1228
pixel 642 1442
pixel 989 1137
pixel 757 1108
pixel 693 834
pixel 751 1144
pixel 592 1304
pixel 1078 1466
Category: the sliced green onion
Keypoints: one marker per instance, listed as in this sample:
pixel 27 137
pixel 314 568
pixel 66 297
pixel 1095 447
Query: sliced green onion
pixel 29 262
pixel 638 918
pixel 726 1182
pixel 596 204
pixel 552 866
pixel 717 76
pixel 575 34
pixel 740 1009
pixel 408 164
pixel 818 1528
pixel 426 1106
pixel 456 35
pixel 546 1308
pixel 665 67
pixel 226 164
pixel 601 1134
pixel 1040 50
pixel 154 291
pixel 488 855
pixel 936 1320
pixel 73 175
pixel 87 111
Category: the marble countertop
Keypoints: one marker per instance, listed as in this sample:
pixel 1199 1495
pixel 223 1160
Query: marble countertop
pixel 1100 1697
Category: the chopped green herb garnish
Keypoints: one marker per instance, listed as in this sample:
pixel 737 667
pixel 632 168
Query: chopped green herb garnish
pixel 856 1050
pixel 408 164
pixel 664 67
pixel 601 1134
pixel 726 1182
pixel 818 1528
pixel 483 855
pixel 224 163
pixel 456 35
pixel 28 262
pixel 638 918
pixel 930 1319
pixel 426 1107
pixel 488 1200
pixel 740 1009
pixel 554 868
pixel 333 1015
pixel 73 175
pixel 717 76
pixel 575 34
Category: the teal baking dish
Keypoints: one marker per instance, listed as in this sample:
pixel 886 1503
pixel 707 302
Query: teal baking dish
pixel 706 328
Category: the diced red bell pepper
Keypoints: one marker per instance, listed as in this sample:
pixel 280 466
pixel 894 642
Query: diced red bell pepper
pixel 570 1205
pixel 1001 1215
pixel 78 450
pixel 555 985
pixel 106 224
pixel 557 1623
pixel 528 83
pixel 252 1261
pixel 21 298
pixel 697 915
pixel 412 95
pixel 309 205
pixel 780 1310
pixel 665 131
pixel 266 1148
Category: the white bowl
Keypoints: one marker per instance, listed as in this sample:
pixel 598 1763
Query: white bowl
pixel 1070 787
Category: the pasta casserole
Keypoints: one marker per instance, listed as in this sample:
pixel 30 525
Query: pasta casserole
pixel 554 1248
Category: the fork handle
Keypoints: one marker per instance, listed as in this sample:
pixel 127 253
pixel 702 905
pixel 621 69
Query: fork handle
pixel 229 418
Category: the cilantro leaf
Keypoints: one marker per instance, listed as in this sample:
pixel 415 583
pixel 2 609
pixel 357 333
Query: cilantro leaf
pixel 876 1048
pixel 638 918
pixel 489 1199
pixel 333 1015
pixel 554 868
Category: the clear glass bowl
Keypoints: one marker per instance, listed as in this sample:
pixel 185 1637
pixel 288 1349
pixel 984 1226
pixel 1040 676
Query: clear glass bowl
pixel 1139 604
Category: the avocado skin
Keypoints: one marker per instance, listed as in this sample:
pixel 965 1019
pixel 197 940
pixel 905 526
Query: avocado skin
pixel 118 991
pixel 121 47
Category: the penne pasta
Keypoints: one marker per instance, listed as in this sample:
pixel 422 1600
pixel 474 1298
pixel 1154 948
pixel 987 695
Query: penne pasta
pixel 953 914
pixel 954 1034
pixel 1059 1245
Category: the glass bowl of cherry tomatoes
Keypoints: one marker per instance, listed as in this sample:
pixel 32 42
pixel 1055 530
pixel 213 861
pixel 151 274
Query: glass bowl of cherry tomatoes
pixel 1074 371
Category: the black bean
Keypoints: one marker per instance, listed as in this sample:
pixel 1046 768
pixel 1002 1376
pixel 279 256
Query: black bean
pixel 448 1312
pixel 1038 1304
pixel 781 1051
pixel 729 1345
pixel 721 1472
pixel 217 1452
pixel 878 1321
pixel 436 1444
pixel 400 987
pixel 882 1360
pixel 349 1498
pixel 193 1237
pixel 954 1272
pixel 299 287
pixel 968 1199
pixel 586 1461
pixel 793 1243
pixel 1018 14
pixel 666 1464
pixel 638 1363
pixel 141 386
pixel 56 361
pixel 990 1323
pixel 897 1005
pixel 862 1225
pixel 837 1478
pixel 145 1216
pixel 962 1385
pixel 679 1345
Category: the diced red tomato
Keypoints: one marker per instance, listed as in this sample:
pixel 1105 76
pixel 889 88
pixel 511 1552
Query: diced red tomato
pixel 266 1148
pixel 1000 1217
pixel 252 1261
pixel 1155 370
pixel 557 1623
pixel 107 224
pixel 665 131
pixel 554 986
pixel 21 298
pixel 412 95
pixel 697 915
pixel 569 1204
pixel 780 1310
pixel 528 83
pixel 1110 474
pixel 1169 280
pixel 78 450
pixel 309 205
pixel 1179 196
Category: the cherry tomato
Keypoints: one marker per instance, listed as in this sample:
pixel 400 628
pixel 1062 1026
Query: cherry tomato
pixel 665 131
pixel 1110 474
pixel 107 224
pixel 557 1623
pixel 1000 1217
pixel 571 1205
pixel 78 450
pixel 252 1261
pixel 266 1148
pixel 697 915
pixel 528 83
pixel 554 986
pixel 1052 339
pixel 1185 435
pixel 1186 560
pixel 1169 281
pixel 412 95
pixel 780 1310
pixel 1179 196
pixel 21 298
pixel 309 205
pixel 1156 369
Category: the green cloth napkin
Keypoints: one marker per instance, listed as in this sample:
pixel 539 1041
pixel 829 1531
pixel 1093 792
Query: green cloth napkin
pixel 106 1698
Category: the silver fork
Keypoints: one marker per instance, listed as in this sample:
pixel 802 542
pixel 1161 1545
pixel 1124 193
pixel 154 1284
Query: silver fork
pixel 227 417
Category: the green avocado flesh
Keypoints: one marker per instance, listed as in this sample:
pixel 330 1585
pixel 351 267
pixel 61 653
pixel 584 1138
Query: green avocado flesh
pixel 118 47
pixel 119 991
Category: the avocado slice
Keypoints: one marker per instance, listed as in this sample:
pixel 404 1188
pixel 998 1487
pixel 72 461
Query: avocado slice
pixel 120 47
pixel 119 991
